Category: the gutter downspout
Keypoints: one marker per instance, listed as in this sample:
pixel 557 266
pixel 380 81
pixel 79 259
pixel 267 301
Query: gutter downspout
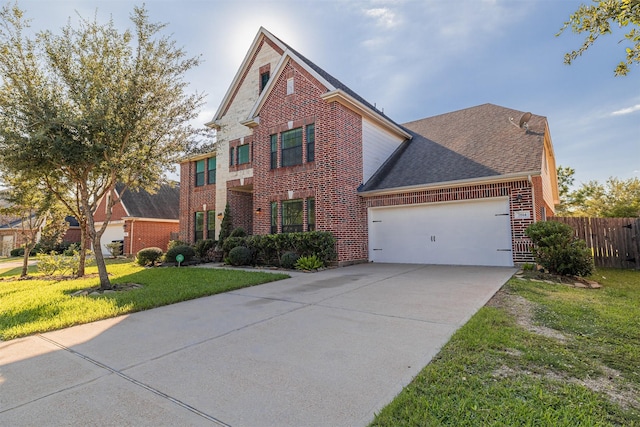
pixel 131 238
pixel 533 199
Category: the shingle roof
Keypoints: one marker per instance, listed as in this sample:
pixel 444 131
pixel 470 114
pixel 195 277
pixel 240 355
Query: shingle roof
pixel 477 142
pixel 164 204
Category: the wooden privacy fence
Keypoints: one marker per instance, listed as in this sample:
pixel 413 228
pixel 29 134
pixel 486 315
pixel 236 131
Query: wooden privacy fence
pixel 614 242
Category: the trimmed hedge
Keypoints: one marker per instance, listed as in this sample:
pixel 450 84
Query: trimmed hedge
pixel 148 256
pixel 240 255
pixel 268 249
pixel 187 252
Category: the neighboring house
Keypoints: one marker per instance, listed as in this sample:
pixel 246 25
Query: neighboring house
pixel 297 150
pixel 12 234
pixel 140 219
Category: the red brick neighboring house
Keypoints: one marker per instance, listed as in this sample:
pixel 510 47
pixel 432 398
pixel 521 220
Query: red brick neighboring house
pixel 297 150
pixel 141 219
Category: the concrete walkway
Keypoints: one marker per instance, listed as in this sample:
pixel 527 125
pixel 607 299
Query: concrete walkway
pixel 324 349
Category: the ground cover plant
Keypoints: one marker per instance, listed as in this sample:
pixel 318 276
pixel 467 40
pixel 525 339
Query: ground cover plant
pixel 537 354
pixel 43 303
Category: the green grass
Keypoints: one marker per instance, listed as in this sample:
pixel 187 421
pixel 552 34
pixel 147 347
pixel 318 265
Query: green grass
pixel 537 355
pixel 39 305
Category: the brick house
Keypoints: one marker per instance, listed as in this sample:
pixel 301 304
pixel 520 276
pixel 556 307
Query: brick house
pixel 140 219
pixel 297 150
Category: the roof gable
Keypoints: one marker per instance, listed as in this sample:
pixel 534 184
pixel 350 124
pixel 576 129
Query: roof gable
pixel 335 90
pixel 476 143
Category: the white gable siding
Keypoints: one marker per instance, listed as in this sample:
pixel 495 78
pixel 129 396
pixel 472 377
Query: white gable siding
pixel 547 193
pixel 377 146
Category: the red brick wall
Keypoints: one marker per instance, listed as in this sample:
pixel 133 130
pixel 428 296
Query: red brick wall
pixel 241 207
pixel 191 200
pixel 72 235
pixel 334 176
pixel 147 234
pixel 117 212
pixel 521 245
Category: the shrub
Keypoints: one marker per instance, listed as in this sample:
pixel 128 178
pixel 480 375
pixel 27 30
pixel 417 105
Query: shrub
pixel 187 252
pixel 309 263
pixel 240 255
pixel 148 256
pixel 114 248
pixel 556 248
pixel 17 252
pixel 232 242
pixel 52 263
pixel 173 243
pixel 202 247
pixel 289 259
pixel 70 249
pixel 238 232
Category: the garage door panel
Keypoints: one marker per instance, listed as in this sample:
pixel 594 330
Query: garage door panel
pixel 464 233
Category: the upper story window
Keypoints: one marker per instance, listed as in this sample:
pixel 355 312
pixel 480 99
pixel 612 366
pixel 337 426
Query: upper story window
pixel 200 173
pixel 311 142
pixel 211 170
pixel 243 154
pixel 264 79
pixel 292 147
pixel 274 151
pixel 231 151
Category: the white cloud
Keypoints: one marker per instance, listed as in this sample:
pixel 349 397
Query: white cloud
pixel 384 17
pixel 628 110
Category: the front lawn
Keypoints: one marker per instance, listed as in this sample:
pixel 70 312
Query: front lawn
pixel 39 304
pixel 537 354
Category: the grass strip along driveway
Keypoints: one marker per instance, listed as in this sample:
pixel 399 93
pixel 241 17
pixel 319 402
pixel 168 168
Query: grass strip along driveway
pixel 538 354
pixel 42 304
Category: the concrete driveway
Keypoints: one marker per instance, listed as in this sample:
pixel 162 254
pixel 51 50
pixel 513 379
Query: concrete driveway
pixel 324 349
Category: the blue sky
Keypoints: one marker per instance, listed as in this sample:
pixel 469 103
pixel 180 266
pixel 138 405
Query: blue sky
pixel 417 59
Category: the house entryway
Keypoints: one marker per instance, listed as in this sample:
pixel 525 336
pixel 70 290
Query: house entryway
pixel 474 232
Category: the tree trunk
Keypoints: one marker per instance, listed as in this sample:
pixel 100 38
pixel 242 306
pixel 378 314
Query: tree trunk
pixel 105 283
pixel 83 247
pixel 25 260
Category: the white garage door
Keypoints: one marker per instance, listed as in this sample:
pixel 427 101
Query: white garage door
pixel 113 232
pixel 462 233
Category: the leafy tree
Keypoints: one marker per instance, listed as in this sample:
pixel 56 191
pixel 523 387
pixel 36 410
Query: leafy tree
pixel 615 198
pixel 32 206
pixel 226 225
pixel 565 183
pixel 596 20
pixel 91 107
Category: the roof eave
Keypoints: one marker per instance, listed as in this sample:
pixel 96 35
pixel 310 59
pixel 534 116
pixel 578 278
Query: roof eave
pixel 448 184
pixel 348 101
